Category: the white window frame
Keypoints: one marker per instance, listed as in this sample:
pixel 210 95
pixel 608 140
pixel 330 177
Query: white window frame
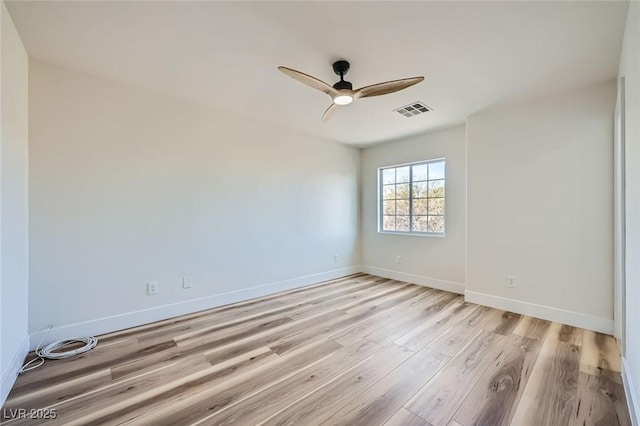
pixel 381 199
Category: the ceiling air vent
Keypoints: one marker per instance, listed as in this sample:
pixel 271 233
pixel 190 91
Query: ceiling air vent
pixel 412 109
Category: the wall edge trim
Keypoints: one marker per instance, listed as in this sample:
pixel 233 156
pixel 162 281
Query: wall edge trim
pixel 9 377
pixel 439 284
pixel 158 313
pixel 576 319
pixel 629 390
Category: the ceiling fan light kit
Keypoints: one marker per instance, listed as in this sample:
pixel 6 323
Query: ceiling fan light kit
pixel 342 92
pixel 343 99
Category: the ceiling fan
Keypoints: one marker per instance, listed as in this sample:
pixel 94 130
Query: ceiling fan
pixel 342 92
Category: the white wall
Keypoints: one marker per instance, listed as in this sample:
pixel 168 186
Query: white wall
pixel 14 271
pixel 630 70
pixel 129 186
pixel 433 261
pixel 540 207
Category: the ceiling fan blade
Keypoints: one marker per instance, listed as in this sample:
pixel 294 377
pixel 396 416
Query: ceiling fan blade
pixel 309 81
pixel 386 87
pixel 329 112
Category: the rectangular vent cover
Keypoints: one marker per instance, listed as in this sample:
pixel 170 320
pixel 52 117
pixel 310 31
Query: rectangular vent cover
pixel 412 109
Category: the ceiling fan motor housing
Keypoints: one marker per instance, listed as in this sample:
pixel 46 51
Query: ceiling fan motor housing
pixel 341 68
pixel 341 85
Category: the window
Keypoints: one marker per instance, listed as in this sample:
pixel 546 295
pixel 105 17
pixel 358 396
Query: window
pixel 412 198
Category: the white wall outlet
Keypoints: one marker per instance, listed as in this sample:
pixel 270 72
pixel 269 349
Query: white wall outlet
pixel 511 281
pixel 187 281
pixel 399 260
pixel 152 288
pixel 336 258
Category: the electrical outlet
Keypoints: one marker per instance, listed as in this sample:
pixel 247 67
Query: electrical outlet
pixel 399 260
pixel 511 281
pixel 336 258
pixel 187 281
pixel 152 288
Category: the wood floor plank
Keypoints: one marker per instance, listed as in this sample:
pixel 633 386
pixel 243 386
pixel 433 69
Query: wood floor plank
pixel 197 390
pixel 333 320
pixel 347 299
pixel 336 316
pixel 196 345
pixel 358 331
pixel 490 319
pixel 533 328
pixel 412 319
pixel 566 333
pixel 99 358
pixel 357 350
pixel 428 331
pixel 394 299
pixel 216 399
pixel 600 352
pixel 439 399
pixel 493 399
pixel 322 330
pixel 60 392
pixel 601 401
pixel 120 392
pixel 454 339
pixel 200 326
pixel 550 395
pixel 405 417
pixel 226 335
pixel 389 315
pixel 380 402
pixel 508 323
pixel 321 390
pixel 320 404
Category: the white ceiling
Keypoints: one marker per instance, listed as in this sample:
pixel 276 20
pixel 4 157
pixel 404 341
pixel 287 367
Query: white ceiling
pixel 473 54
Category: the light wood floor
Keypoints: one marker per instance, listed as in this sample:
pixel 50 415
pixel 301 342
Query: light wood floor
pixel 358 350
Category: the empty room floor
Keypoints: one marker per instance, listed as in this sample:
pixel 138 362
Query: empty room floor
pixel 356 350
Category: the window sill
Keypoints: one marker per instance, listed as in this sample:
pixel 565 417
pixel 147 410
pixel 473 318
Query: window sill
pixel 415 234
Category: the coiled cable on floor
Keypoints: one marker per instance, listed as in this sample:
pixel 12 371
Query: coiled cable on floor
pixel 51 351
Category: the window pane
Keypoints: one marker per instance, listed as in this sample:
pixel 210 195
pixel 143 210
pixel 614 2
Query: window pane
pixel 389 207
pixel 402 208
pixel 413 198
pixel 402 191
pixel 436 206
pixel 420 189
pixel 420 223
pixel 388 223
pixel 388 192
pixel 420 172
pixel 420 206
pixel 436 170
pixel 389 176
pixel 402 174
pixel 402 223
pixel 436 188
pixel 435 224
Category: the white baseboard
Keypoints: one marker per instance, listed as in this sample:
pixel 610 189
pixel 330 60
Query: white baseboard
pixel 158 313
pixel 630 391
pixel 415 279
pixel 576 319
pixel 9 376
